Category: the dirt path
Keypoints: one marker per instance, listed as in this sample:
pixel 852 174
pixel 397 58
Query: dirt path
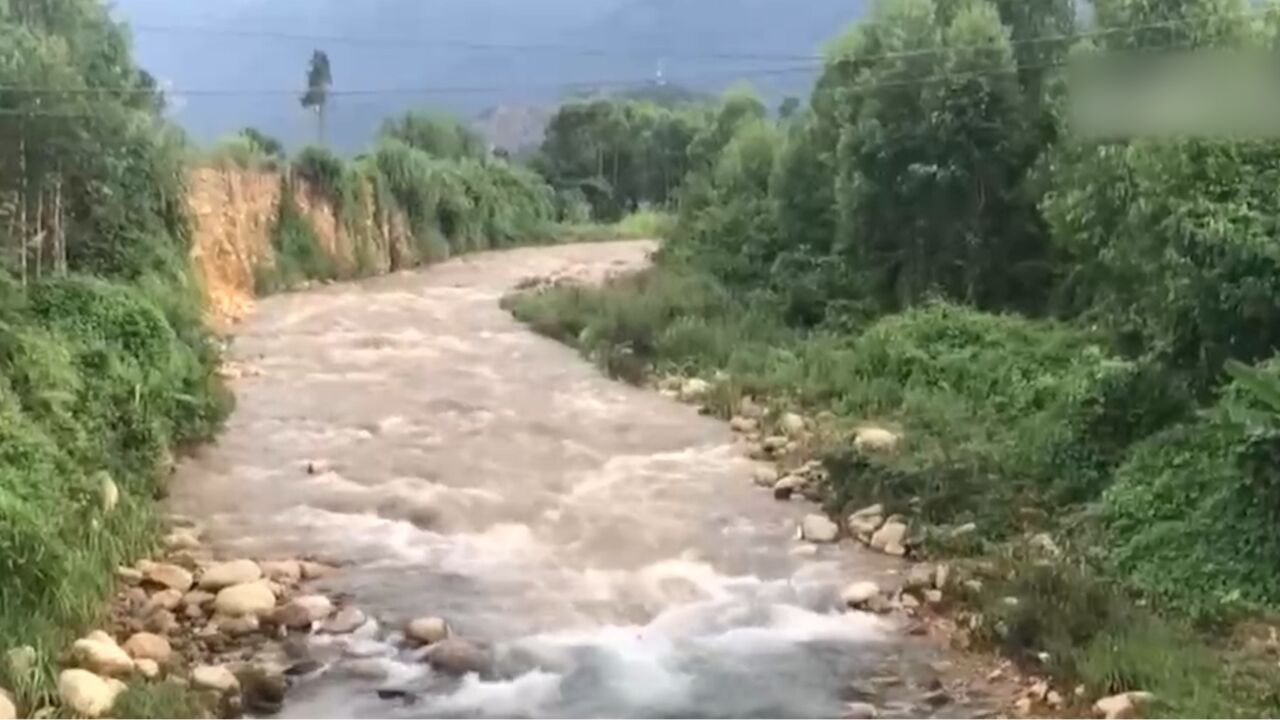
pixel 607 544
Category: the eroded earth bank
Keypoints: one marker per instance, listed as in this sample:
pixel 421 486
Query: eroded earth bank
pixel 604 547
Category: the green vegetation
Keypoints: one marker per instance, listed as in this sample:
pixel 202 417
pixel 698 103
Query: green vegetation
pixel 105 364
pixel 1049 320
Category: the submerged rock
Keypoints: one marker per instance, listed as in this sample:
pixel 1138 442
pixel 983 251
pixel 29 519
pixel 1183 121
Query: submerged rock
pixel 458 657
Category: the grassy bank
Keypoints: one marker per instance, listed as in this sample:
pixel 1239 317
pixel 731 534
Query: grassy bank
pixel 98 381
pixel 1021 427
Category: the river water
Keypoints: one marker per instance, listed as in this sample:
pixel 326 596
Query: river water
pixel 605 543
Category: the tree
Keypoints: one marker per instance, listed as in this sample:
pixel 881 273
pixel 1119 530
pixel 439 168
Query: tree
pixel 316 97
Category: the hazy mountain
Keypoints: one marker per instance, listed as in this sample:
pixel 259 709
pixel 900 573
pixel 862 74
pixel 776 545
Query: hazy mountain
pixel 243 61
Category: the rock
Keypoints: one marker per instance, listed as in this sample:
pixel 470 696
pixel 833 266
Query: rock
pixel 819 529
pixel 1045 544
pixel 110 493
pixel 263 690
pixel 86 694
pixel 8 709
pixel 147 668
pixel 214 677
pixel 792 424
pixel 787 486
pixel 766 476
pixel 1022 708
pixel 774 444
pixel 859 593
pixel 293 617
pixel 317 467
pixel 148 646
pixel 162 600
pixel 973 585
pixel 919 577
pixel 909 602
pixel 305 667
pixel 160 621
pixel 864 522
pixel 741 424
pixel 879 604
pixel 748 408
pixel 694 390
pixel 457 657
pixel 1038 691
pixel 859 711
pixel 288 572
pixel 170 576
pixel 313 570
pixel 182 539
pixel 1054 699
pixel 237 625
pixel 317 607
pixel 99 653
pixel 198 598
pixel 235 572
pixel 427 630
pixel 253 598
pixel 345 621
pixel 890 535
pixel 128 576
pixel 1124 705
pixel 933 597
pixel 871 439
pixel 937 698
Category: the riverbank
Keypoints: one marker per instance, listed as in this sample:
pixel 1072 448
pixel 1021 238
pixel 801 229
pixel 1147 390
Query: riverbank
pixel 979 406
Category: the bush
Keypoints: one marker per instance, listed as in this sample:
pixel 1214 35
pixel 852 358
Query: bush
pixel 1191 517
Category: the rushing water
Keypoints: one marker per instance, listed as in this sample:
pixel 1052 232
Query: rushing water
pixel 606 543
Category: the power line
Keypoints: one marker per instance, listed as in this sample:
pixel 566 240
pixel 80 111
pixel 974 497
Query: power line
pixel 401 41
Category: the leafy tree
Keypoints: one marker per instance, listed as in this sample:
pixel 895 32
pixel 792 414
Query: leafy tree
pixel 436 134
pixel 316 96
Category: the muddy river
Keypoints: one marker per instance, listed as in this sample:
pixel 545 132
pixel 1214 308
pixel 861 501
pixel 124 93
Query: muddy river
pixel 606 544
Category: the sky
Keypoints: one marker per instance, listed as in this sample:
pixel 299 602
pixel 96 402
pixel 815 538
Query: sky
pixel 243 62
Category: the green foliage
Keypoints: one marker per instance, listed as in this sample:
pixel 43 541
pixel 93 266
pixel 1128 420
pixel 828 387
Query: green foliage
pixel 241 152
pixel 298 254
pixel 269 146
pixel 440 136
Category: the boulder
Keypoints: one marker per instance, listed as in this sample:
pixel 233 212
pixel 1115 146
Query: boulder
pixel 86 694
pixel 288 572
pixel 317 607
pixel 787 486
pixel 214 677
pixel 235 572
pixel 148 646
pixel 456 656
pixel 129 576
pixel 863 523
pixel 253 598
pixel 873 439
pixel 237 625
pixel 919 577
pixel 694 390
pixel 162 600
pixel 748 408
pixel 170 576
pixel 345 621
pixel 792 424
pixel 1124 705
pixel 8 708
pixel 774 444
pixel 819 529
pixel 147 668
pixel 198 598
pixel 1023 707
pixel 427 630
pixel 741 424
pixel 891 534
pixel 100 654
pixel 859 593
pixel 161 621
pixel 766 476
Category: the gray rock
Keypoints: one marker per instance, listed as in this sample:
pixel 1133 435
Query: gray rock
pixel 345 621
pixel 456 656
